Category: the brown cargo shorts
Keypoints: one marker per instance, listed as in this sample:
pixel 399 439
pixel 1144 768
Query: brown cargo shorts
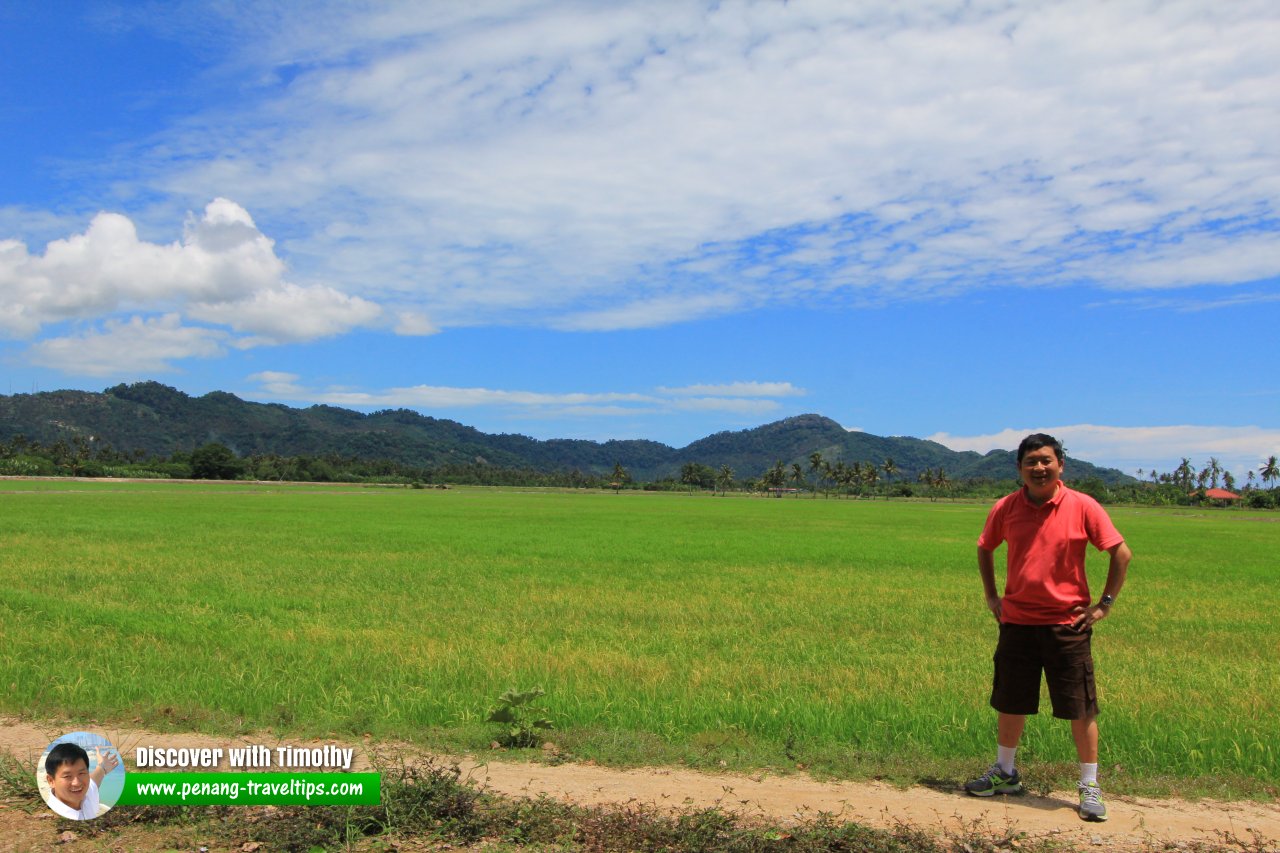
pixel 1065 657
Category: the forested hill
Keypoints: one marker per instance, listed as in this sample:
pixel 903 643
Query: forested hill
pixel 158 420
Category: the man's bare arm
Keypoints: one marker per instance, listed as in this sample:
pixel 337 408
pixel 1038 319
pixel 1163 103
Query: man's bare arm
pixel 106 763
pixel 1117 571
pixel 987 570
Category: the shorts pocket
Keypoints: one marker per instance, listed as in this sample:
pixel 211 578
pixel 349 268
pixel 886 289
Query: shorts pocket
pixel 1090 688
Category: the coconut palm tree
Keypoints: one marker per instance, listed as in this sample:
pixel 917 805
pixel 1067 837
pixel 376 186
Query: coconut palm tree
pixel 925 478
pixel 1184 474
pixel 815 468
pixel 889 467
pixel 870 475
pixel 1269 472
pixel 797 477
pixel 775 476
pixel 840 474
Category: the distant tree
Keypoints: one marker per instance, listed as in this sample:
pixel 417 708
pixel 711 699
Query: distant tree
pixel 840 474
pixel 870 475
pixel 775 476
pixel 1228 481
pixel 60 452
pixel 620 476
pixel 925 477
pixel 1184 474
pixel 797 475
pixel 725 478
pixel 215 461
pixel 815 468
pixel 696 475
pixel 855 478
pixel 889 467
pixel 1270 472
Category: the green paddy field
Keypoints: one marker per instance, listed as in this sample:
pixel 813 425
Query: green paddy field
pixel 846 636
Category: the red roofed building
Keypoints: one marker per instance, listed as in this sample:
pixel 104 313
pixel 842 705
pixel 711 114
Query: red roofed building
pixel 1221 495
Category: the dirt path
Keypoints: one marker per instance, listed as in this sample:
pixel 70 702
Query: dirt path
pixel 1134 821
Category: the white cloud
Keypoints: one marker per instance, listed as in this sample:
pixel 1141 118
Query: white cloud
pixel 739 398
pixel 611 166
pixel 431 396
pixel 1240 449
pixel 1232 299
pixel 290 313
pixel 222 258
pixel 136 347
pixel 659 311
pixel 739 389
pixel 223 271
pixel 414 323
pixel 734 405
pixel 278 383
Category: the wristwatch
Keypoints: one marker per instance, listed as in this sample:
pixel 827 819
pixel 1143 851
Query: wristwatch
pixel 1107 601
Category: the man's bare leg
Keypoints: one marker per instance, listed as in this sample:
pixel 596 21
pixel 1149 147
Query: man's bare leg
pixel 1085 733
pixel 1009 730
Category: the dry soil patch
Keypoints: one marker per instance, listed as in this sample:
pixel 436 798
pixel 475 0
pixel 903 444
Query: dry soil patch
pixel 1134 821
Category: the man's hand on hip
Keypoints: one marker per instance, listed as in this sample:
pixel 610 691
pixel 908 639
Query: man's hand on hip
pixel 1086 616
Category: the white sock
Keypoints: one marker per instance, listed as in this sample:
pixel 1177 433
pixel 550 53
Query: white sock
pixel 1004 757
pixel 1088 773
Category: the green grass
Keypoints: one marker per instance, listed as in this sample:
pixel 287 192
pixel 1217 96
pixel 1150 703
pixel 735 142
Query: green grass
pixel 849 636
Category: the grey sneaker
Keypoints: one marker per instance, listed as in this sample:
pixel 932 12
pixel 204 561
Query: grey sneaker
pixel 1091 805
pixel 995 781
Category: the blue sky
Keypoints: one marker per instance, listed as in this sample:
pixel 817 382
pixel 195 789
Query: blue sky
pixel 960 221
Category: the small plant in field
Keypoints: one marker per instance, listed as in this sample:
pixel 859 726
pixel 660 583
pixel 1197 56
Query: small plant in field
pixel 522 725
pixel 16 784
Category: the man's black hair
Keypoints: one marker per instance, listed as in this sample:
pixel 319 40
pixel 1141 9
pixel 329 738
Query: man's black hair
pixel 1037 440
pixel 64 753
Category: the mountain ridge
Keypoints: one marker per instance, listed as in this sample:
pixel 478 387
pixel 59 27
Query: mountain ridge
pixel 161 420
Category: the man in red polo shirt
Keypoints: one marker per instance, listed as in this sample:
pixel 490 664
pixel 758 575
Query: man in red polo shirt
pixel 1046 615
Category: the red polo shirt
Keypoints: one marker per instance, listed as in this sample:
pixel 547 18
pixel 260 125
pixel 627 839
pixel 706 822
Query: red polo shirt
pixel 1045 561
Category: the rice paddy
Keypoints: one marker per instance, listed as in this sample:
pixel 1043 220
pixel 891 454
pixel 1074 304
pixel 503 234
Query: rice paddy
pixel 847 636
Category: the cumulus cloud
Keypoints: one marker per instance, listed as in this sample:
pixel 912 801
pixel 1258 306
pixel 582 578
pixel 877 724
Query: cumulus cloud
pixel 222 258
pixel 223 271
pixel 136 347
pixel 610 166
pixel 289 313
pixel 1240 449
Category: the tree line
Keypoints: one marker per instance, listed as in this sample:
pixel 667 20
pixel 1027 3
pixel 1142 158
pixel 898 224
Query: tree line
pixel 1185 486
pixel 82 456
